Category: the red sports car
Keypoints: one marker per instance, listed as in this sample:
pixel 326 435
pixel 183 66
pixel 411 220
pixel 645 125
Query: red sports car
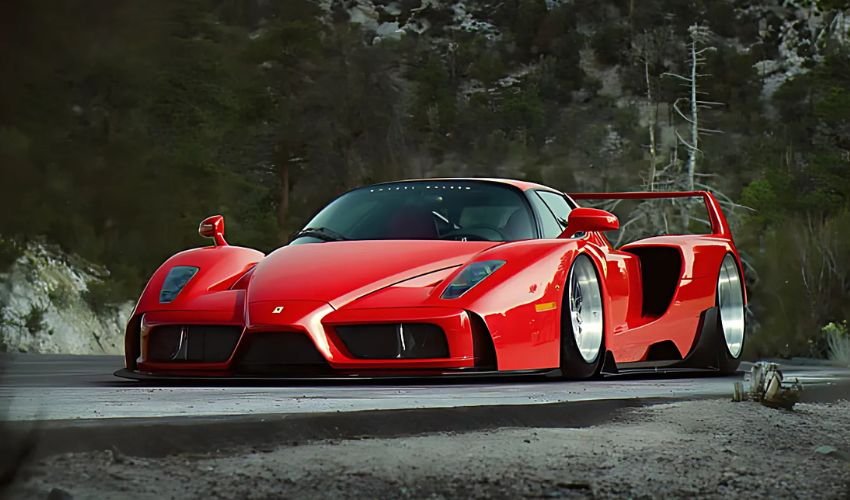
pixel 441 277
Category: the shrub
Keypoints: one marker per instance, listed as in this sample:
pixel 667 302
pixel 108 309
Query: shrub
pixel 9 253
pixel 60 295
pixel 34 320
pixel 838 340
pixel 101 295
pixel 610 44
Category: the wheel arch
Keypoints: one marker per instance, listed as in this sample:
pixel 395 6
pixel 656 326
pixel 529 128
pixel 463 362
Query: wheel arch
pixel 598 261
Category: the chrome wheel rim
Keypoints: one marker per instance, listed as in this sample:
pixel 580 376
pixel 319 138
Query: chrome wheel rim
pixel 585 305
pixel 730 300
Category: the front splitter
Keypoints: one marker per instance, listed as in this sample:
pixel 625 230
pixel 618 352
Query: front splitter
pixel 335 377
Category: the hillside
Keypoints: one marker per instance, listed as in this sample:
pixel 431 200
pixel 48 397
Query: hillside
pixel 128 122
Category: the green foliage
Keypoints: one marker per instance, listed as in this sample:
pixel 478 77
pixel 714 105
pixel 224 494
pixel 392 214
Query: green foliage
pixel 831 4
pixel 100 296
pixel 814 106
pixel 127 137
pixel 835 329
pixel 9 253
pixel 610 43
pixel 720 17
pixel 435 103
pixel 559 41
pixel 527 20
pixel 803 269
pixel 60 295
pixel 34 319
pixel 733 81
pixel 481 59
pixel 522 109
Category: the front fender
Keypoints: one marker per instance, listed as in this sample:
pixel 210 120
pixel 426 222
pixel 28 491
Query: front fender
pixel 219 267
pixel 521 302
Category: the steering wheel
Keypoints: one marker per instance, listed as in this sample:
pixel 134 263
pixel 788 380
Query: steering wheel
pixel 478 232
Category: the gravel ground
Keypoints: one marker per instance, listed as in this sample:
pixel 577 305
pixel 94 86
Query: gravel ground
pixel 704 449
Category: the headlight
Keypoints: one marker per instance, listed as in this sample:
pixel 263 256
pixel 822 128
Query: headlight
pixel 471 275
pixel 176 279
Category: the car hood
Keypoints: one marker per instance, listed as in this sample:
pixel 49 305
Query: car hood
pixel 341 271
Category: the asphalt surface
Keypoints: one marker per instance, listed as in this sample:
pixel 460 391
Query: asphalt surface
pixel 67 388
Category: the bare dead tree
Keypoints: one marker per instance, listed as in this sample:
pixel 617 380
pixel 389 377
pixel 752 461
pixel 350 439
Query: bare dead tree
pixel 697 48
pixel 667 171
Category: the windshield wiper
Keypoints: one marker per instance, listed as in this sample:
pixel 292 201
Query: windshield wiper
pixel 321 233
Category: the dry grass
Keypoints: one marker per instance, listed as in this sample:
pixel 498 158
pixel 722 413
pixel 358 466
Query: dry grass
pixel 839 348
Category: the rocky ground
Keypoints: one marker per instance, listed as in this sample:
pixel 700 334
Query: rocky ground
pixel 706 449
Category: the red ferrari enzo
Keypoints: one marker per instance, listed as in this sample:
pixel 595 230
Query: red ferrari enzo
pixel 442 277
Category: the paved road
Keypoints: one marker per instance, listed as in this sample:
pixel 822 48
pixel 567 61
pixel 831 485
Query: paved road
pixel 41 387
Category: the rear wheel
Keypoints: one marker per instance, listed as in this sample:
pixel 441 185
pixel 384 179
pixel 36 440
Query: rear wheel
pixel 730 303
pixel 582 325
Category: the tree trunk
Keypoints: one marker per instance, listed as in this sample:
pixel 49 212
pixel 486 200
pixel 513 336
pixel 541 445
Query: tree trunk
pixel 283 198
pixel 694 150
pixel 653 153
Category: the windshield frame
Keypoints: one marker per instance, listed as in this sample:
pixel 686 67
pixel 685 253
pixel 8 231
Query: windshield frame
pixel 522 194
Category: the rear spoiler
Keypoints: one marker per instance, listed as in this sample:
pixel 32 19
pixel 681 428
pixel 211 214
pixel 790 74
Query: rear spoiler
pixel 719 225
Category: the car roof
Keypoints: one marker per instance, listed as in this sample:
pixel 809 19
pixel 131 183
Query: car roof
pixel 522 185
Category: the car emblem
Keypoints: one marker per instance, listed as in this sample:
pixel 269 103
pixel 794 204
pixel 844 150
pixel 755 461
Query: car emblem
pixel 277 310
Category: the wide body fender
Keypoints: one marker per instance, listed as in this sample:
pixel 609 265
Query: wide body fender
pixel 695 292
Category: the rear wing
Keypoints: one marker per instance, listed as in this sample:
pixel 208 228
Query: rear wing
pixel 719 225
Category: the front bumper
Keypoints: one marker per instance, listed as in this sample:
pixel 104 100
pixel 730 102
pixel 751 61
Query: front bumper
pixel 303 340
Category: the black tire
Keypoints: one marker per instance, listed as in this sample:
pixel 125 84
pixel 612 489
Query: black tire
pixel 727 365
pixel 574 365
pixel 730 276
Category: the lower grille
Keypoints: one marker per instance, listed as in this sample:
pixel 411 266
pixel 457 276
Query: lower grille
pixel 195 343
pixel 394 341
pixel 279 352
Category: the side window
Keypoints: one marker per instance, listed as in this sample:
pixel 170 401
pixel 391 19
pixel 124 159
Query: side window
pixel 549 224
pixel 558 204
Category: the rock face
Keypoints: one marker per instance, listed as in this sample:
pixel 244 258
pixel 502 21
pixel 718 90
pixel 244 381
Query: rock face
pixel 43 306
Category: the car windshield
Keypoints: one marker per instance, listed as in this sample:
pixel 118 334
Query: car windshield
pixel 424 210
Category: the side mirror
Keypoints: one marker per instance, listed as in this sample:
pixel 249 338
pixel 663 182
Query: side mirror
pixel 213 227
pixel 582 220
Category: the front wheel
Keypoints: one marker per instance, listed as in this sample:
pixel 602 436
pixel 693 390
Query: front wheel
pixel 730 303
pixel 582 324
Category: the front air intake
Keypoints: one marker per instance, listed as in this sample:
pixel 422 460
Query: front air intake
pixel 193 343
pixel 394 341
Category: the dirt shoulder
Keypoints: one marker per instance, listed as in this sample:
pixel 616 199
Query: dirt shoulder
pixel 708 448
